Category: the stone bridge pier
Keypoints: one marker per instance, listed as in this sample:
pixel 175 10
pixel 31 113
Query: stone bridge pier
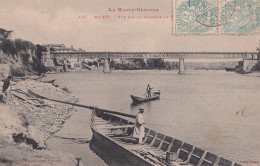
pixel 250 61
pixel 48 59
pixel 106 67
pixel 181 66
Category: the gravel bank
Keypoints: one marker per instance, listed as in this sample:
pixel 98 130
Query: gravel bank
pixel 27 122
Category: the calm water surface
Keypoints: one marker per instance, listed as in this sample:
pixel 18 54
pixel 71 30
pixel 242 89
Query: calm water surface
pixel 214 110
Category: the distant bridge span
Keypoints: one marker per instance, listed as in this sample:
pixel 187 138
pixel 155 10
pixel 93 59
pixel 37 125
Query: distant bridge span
pixel 250 58
pixel 166 55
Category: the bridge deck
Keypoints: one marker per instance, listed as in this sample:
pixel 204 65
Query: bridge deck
pixel 166 55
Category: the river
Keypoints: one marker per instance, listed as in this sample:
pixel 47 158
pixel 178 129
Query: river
pixel 215 110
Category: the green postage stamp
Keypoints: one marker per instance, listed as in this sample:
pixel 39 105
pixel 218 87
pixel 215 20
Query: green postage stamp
pixel 205 17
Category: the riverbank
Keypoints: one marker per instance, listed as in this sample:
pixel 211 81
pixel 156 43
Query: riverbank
pixel 239 68
pixel 27 122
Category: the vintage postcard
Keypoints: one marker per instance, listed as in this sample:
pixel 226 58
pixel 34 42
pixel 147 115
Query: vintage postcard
pixel 129 82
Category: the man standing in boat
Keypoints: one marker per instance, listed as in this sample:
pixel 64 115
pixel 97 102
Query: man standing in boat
pixel 139 126
pixel 148 90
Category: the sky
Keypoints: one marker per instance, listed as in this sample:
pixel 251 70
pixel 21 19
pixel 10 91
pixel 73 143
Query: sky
pixel 73 22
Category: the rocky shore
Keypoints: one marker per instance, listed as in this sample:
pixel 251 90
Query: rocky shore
pixel 27 122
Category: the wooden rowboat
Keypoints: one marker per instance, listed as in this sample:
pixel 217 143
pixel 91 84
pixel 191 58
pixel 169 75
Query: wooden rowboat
pixel 49 81
pixel 136 99
pixel 115 132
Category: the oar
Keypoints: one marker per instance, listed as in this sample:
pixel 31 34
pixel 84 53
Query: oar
pixel 144 94
pixel 80 105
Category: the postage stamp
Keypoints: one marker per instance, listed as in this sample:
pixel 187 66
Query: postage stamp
pixel 240 16
pixel 205 17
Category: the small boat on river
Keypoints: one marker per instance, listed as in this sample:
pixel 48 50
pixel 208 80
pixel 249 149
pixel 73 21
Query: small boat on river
pixel 115 132
pixel 136 99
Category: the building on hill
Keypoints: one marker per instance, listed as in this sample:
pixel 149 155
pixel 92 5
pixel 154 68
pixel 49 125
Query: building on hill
pixel 4 34
pixel 62 48
pixel 65 49
pixel 54 45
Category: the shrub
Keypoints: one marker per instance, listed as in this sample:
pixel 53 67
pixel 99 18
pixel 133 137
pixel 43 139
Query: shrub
pixel 19 72
pixel 8 47
pixel 112 64
pixel 18 44
pixel 25 58
pixel 39 51
pixel 141 63
pixel 156 63
pixel 38 66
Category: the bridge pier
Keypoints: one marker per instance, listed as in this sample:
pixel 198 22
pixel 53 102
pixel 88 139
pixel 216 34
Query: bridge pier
pixel 181 66
pixel 248 64
pixel 48 59
pixel 106 68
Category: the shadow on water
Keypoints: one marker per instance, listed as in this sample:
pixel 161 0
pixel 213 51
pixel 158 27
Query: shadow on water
pixel 108 154
pixel 135 104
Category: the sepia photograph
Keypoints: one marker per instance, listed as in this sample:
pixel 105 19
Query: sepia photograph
pixel 129 83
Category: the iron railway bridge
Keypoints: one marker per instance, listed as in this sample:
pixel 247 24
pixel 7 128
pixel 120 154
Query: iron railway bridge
pixel 253 56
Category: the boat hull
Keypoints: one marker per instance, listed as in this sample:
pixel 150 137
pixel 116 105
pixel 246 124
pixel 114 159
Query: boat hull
pixel 114 133
pixel 119 151
pixel 137 99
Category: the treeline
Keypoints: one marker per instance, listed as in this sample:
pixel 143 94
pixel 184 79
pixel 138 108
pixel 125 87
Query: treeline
pixel 29 54
pixel 138 64
pixel 13 47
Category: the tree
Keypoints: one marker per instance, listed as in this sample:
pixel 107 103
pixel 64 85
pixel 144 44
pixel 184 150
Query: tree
pixel 150 63
pixel 38 66
pixel 39 51
pixel 28 45
pixel 8 47
pixel 112 63
pixel 18 44
pixel 156 63
pixel 25 57
pixel 140 62
pixel 159 64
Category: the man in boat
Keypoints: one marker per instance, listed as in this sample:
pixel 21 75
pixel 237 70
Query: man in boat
pixel 148 90
pixel 139 126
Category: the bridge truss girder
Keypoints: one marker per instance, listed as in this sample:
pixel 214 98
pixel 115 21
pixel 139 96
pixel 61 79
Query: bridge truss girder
pixel 164 55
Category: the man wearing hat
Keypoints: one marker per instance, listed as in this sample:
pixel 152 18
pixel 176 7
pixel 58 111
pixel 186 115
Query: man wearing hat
pixel 148 90
pixel 139 126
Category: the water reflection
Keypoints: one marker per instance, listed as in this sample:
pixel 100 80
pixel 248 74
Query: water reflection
pixel 147 104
